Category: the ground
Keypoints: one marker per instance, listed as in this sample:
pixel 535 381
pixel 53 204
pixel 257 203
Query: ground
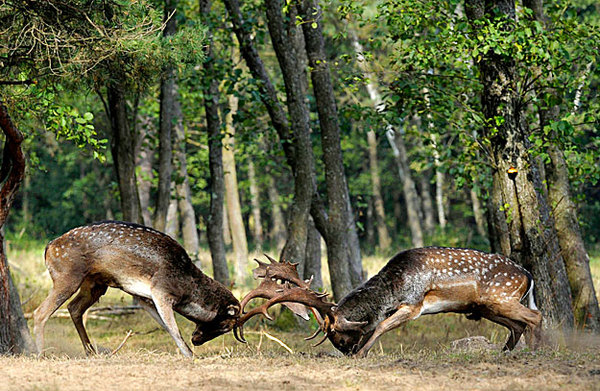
pixel 410 358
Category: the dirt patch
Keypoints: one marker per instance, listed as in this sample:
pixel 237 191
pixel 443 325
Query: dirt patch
pixel 425 370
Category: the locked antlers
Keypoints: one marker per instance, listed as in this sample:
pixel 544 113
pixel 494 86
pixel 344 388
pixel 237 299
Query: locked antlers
pixel 280 284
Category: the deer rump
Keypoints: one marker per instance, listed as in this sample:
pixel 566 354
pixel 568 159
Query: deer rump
pixel 413 283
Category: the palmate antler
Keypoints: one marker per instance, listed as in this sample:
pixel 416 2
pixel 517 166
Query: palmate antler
pixel 286 293
pixel 282 284
pixel 275 277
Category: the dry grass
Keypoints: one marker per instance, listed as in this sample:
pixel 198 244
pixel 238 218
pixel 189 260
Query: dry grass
pixel 416 356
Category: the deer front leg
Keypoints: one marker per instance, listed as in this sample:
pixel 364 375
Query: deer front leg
pixel 148 305
pixel 89 293
pixel 404 313
pixel 164 307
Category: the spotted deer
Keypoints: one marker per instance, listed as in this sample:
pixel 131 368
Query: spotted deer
pixel 143 262
pixel 418 282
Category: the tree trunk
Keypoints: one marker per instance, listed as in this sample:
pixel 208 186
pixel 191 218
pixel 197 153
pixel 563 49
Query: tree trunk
pixel 478 213
pixel 585 302
pixel 564 211
pixel 215 162
pixel 439 184
pixel 312 269
pixel 123 148
pixel 533 241
pixel 342 249
pixel 256 223
pixel 411 196
pixel 398 147
pixel 268 94
pixel 189 232
pixel 379 211
pixel 383 234
pixel 284 44
pixel 277 233
pixel 234 209
pixel 168 120
pixel 145 128
pixel 14 334
pixel 426 202
pixel 172 219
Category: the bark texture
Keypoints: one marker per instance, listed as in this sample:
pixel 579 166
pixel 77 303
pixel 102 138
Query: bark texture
pixel 343 251
pixel 168 120
pixel 14 334
pixel 564 211
pixel 282 36
pixel 531 236
pixel 123 148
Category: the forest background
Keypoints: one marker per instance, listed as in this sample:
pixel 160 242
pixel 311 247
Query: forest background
pixel 268 126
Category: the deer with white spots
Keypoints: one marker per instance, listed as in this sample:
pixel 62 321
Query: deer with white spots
pixel 417 282
pixel 143 262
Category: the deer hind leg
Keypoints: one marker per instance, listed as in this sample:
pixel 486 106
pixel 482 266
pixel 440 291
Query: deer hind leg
pixel 516 330
pixel 164 307
pixel 404 313
pixel 59 293
pixel 89 293
pixel 517 318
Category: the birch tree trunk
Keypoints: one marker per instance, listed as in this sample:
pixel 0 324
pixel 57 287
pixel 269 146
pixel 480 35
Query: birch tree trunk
pixel 383 234
pixel 409 189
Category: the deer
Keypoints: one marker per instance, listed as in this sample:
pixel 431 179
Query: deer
pixel 147 264
pixel 414 282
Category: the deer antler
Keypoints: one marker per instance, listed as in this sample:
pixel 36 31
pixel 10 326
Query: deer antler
pixel 273 274
pixel 287 293
pixel 285 271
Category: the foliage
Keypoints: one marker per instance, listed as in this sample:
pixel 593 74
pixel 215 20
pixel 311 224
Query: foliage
pixel 422 53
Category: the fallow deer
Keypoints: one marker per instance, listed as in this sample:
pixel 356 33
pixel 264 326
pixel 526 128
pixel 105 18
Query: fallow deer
pixel 417 282
pixel 143 262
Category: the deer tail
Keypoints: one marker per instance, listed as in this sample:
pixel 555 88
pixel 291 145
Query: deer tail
pixel 530 295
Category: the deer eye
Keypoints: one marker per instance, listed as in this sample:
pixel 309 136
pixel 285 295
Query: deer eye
pixel 232 310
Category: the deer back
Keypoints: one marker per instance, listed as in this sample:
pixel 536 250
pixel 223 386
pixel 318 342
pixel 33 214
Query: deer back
pixel 136 259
